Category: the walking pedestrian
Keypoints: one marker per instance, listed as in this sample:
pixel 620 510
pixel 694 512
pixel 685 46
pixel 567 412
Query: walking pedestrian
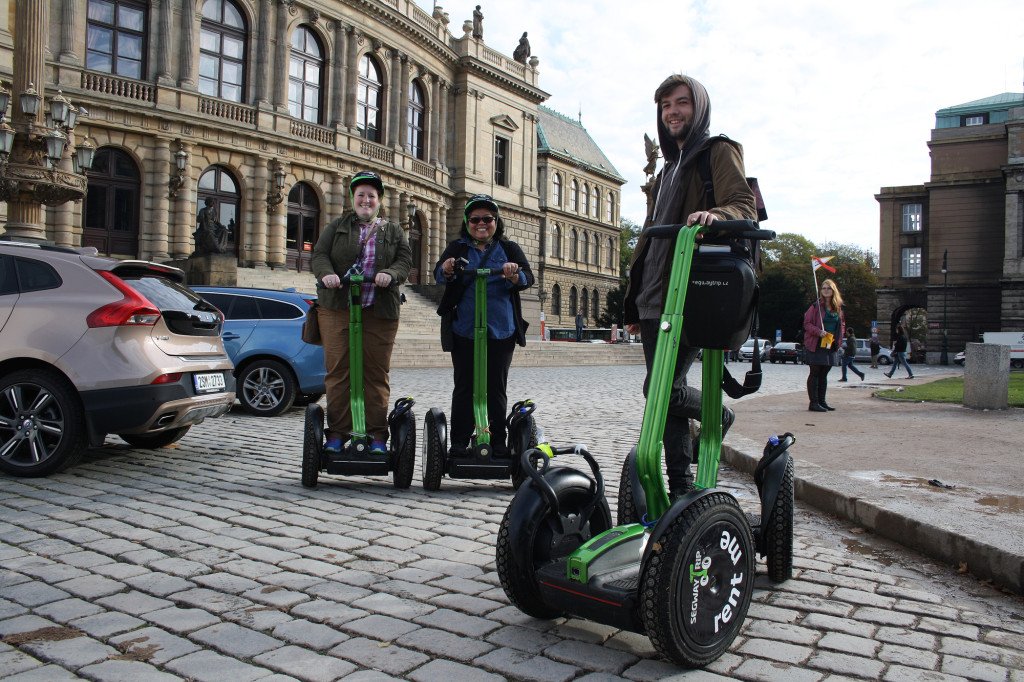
pixel 876 348
pixel 850 355
pixel 899 353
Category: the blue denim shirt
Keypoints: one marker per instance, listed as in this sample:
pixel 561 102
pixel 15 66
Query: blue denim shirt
pixel 500 323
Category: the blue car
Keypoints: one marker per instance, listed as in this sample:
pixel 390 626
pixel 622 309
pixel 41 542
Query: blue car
pixel 274 367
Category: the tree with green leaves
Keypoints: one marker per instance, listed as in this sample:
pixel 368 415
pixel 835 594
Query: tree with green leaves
pixel 613 311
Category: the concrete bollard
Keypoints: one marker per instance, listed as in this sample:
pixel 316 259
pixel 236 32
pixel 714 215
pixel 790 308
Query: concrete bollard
pixel 987 376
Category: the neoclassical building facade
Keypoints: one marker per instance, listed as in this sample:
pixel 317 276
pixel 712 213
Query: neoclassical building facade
pixel 266 108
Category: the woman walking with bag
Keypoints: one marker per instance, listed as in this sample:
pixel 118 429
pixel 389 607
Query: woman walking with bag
pixel 824 327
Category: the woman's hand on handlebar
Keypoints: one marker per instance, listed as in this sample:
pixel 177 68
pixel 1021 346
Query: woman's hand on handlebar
pixel 510 271
pixel 448 267
pixel 382 279
pixel 633 329
pixel 331 281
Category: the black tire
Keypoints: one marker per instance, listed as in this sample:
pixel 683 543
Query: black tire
pixel 778 539
pixel 681 618
pixel 312 445
pixel 626 512
pixel 537 537
pixel 527 438
pixel 433 455
pixel 155 440
pixel 884 360
pixel 266 387
pixel 404 455
pixel 55 438
pixel 308 399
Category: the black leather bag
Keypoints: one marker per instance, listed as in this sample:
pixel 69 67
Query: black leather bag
pixel 311 327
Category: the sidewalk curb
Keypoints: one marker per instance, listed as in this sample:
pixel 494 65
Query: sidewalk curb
pixel 814 485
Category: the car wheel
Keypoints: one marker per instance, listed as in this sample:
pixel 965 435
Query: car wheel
pixel 266 388
pixel 883 360
pixel 155 440
pixel 42 426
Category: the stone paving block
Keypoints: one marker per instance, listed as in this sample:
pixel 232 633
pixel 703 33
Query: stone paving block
pixel 68 609
pixel 858 646
pixel 126 671
pixel 905 637
pixel 772 613
pixel 8 578
pixel 305 665
pixel 69 653
pixel 393 606
pixel 153 645
pixel 863 598
pixel 770 671
pixel 275 596
pixel 236 640
pixel 309 634
pixel 120 571
pixel 900 673
pixel 450 568
pixel 927 609
pixel 181 620
pixel 582 630
pixel 784 632
pixel 908 656
pixel 467 603
pixel 383 628
pixel 47 673
pixel 159 584
pixel 449 670
pixel 524 639
pixel 257 617
pixel 225 582
pixel 884 617
pixel 291 580
pixel 22 624
pixel 389 658
pixel 103 625
pixel 590 656
pixel 179 567
pixel 217 602
pixel 820 621
pixel 91 586
pixel 112 546
pixel 143 557
pixel 134 602
pixel 86 559
pixel 868 574
pixel 812 604
pixel 34 594
pixel 267 555
pixel 949 628
pixel 325 611
pixel 776 651
pixel 444 644
pixel 459 623
pixel 1009 640
pixel 845 664
pixel 519 664
pixel 954 646
pixel 209 666
pixel 795 587
pixel 407 590
pixel 57 572
pixel 9 609
pixel 13 662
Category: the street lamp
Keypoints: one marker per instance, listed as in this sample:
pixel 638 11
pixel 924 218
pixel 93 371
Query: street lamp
pixel 944 358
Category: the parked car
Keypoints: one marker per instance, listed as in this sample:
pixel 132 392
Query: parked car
pixel 786 351
pixel 747 349
pixel 262 333
pixel 960 358
pixel 91 346
pixel 864 353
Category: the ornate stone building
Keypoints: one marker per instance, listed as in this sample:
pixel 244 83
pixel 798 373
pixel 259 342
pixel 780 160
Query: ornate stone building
pixel 267 108
pixel 967 219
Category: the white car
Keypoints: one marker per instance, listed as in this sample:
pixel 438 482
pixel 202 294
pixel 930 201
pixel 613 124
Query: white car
pixel 747 349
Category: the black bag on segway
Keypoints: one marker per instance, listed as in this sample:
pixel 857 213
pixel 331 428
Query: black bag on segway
pixel 721 302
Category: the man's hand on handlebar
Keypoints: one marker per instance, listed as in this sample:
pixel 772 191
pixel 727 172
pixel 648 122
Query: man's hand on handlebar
pixel 331 281
pixel 633 329
pixel 704 218
pixel 382 279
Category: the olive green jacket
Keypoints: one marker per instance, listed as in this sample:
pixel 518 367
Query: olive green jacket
pixel 336 251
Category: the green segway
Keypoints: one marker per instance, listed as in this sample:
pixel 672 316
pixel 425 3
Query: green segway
pixel 480 461
pixel 682 571
pixel 355 457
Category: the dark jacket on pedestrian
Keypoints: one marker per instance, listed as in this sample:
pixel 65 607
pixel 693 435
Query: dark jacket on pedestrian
pixel 850 347
pixel 899 344
pixel 337 250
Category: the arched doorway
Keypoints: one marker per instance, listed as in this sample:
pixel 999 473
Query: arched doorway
pixel 303 227
pixel 111 212
pixel 218 184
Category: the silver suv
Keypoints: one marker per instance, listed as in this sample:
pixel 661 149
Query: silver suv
pixel 91 346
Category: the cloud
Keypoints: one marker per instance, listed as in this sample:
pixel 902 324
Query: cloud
pixel 832 101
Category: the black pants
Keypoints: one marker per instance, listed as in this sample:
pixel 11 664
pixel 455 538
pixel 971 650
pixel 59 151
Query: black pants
pixel 499 359
pixel 817 382
pixel 684 404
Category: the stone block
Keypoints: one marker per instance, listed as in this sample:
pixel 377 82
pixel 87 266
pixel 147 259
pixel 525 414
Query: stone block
pixel 987 376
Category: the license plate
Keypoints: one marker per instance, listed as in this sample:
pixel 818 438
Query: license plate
pixel 210 382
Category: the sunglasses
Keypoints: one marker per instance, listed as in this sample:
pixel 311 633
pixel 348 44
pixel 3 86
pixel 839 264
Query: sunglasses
pixel 486 220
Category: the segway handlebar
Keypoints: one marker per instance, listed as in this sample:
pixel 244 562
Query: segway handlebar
pixel 719 229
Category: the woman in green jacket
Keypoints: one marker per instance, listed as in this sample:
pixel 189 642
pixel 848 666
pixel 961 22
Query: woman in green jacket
pixel 362 239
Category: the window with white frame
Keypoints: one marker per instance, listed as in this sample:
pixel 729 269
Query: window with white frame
pixel 556 242
pixel 416 132
pixel 574 196
pixel 911 266
pixel 609 208
pixel 911 217
pixel 597 203
pixel 556 189
pixel 115 39
pixel 222 37
pixel 501 165
pixel 586 200
pixel 304 69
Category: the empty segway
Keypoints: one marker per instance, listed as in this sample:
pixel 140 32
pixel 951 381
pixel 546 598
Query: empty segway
pixel 480 460
pixel 355 457
pixel 680 572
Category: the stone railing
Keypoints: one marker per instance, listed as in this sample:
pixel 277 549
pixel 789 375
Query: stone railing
pixel 423 169
pixel 233 112
pixel 310 131
pixel 502 62
pixel 376 151
pixel 119 87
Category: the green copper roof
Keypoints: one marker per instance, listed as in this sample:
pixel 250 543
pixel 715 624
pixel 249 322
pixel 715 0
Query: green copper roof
pixel 1006 100
pixel 565 137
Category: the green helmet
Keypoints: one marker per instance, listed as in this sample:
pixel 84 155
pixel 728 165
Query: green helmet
pixel 366 178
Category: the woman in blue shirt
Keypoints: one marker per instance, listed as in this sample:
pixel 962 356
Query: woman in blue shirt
pixel 483 245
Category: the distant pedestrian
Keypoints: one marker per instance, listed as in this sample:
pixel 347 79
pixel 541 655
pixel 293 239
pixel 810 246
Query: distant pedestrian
pixel 850 355
pixel 579 327
pixel 824 327
pixel 876 348
pixel 899 353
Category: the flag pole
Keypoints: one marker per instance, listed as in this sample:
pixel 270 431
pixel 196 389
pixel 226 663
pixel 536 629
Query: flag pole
pixel 817 294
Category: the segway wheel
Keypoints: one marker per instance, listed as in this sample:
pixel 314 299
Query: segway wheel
pixel 627 512
pixel 312 445
pixel 433 454
pixel 526 439
pixel 778 531
pixel 531 536
pixel 405 452
pixel 699 579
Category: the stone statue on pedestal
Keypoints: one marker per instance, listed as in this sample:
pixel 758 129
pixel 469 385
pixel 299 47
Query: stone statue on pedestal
pixel 211 235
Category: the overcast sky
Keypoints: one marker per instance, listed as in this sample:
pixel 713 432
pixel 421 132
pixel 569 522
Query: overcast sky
pixel 831 100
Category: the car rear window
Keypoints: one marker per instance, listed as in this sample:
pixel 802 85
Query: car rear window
pixel 183 310
pixel 278 310
pixel 34 275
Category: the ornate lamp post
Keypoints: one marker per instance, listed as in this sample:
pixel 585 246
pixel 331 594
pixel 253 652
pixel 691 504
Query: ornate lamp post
pixel 944 358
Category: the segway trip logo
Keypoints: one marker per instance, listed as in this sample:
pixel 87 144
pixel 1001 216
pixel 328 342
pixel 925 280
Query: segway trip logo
pixel 699 579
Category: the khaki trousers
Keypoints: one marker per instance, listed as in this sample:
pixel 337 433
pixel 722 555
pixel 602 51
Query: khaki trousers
pixel 378 341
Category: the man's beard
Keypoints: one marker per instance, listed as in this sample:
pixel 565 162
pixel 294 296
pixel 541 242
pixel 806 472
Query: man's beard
pixel 680 137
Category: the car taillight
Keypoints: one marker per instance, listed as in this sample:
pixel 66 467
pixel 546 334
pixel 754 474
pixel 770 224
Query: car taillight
pixel 167 378
pixel 133 309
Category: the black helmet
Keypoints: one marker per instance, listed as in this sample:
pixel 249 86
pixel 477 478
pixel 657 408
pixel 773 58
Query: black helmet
pixel 480 201
pixel 366 178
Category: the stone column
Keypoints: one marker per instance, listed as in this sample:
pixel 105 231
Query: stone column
pixel 442 126
pixel 159 169
pixel 352 81
pixel 67 32
pixel 394 210
pixel 257 233
pixel 394 96
pixel 184 213
pixel 163 44
pixel 403 104
pixel 281 57
pixel 61 219
pixel 435 119
pixel 262 50
pixel 187 76
pixel 340 73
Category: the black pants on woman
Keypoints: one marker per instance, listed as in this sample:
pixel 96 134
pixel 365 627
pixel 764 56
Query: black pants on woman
pixel 817 384
pixel 499 359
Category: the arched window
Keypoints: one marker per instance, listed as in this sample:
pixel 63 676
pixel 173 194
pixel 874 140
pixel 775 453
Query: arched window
pixel 609 208
pixel 303 226
pixel 573 305
pixel 586 248
pixel 585 303
pixel 610 256
pixel 556 190
pixel 111 213
pixel 218 184
pixel 597 203
pixel 586 199
pixel 115 38
pixel 417 121
pixel 556 242
pixel 556 300
pixel 597 251
pixel 304 76
pixel 222 51
pixel 370 99
pixel 574 244
pixel 595 303
pixel 574 196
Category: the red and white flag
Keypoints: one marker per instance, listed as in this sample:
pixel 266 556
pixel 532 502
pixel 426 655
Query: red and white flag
pixel 820 262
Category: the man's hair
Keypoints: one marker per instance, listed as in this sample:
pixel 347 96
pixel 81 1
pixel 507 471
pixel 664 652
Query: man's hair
pixel 670 84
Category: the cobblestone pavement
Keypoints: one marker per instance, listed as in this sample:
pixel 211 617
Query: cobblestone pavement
pixel 209 561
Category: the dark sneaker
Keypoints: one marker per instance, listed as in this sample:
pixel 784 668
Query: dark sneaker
pixel 378 447
pixel 333 446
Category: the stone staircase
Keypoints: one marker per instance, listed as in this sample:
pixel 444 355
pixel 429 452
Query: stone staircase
pixel 418 343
